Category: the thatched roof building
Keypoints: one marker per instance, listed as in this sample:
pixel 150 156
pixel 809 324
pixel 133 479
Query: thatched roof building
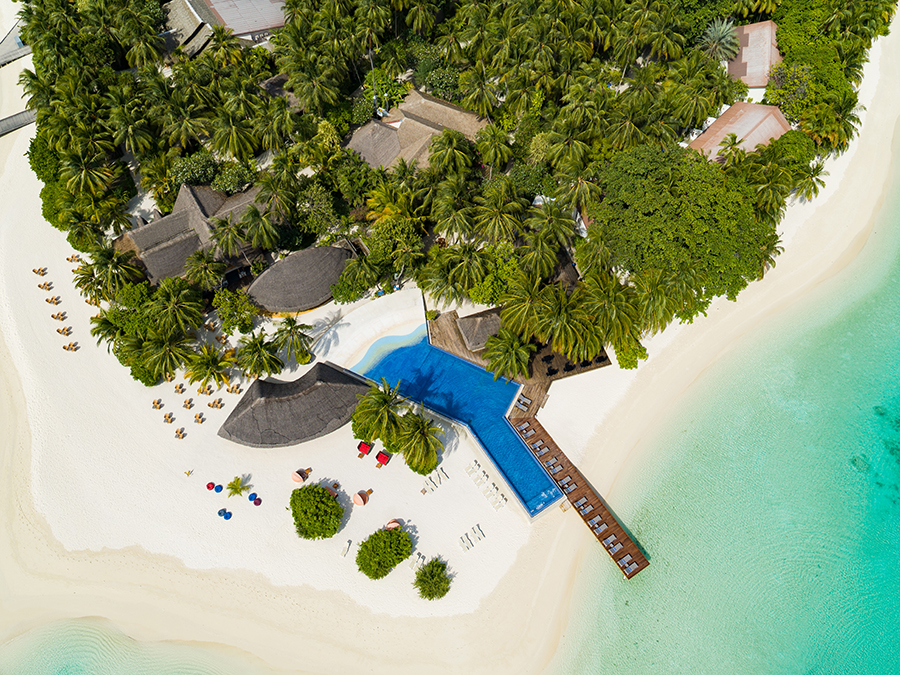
pixel 279 414
pixel 754 124
pixel 163 245
pixel 300 281
pixel 408 129
pixel 758 53
pixel 477 328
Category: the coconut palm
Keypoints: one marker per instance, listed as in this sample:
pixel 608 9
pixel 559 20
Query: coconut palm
pixel 539 255
pixel 260 228
pixel 236 487
pixel 104 329
pixel 552 220
pixel 479 92
pixel 418 440
pixel 720 41
pixel 377 411
pixel 233 134
pixel 521 305
pixel 257 356
pixel 811 180
pixel 508 355
pixel 113 269
pixel 89 285
pixel 497 214
pixel 165 352
pixel 203 270
pixel 492 143
pixel 293 337
pixel 209 364
pixel 176 306
pixel 563 321
pixel 614 306
pixel 228 236
pixel 450 153
pixel 84 172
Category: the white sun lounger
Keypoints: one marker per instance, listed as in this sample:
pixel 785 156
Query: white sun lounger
pixel 346 548
pixel 616 548
pixel 441 470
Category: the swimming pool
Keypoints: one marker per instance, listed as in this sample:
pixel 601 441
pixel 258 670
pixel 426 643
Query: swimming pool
pixel 463 392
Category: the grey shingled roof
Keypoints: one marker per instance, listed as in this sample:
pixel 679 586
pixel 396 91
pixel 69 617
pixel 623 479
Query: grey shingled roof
pixel 477 328
pixel 279 414
pixel 300 281
pixel 164 244
pixel 407 131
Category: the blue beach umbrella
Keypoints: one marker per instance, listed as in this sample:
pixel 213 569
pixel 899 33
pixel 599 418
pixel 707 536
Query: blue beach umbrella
pixel 227 515
pixel 221 512
pixel 218 488
pixel 252 496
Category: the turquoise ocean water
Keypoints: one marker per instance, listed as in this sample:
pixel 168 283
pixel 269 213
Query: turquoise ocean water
pixel 769 502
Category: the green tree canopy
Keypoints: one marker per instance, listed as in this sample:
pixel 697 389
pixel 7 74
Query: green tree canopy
pixel 317 515
pixel 432 580
pixel 670 209
pixel 382 551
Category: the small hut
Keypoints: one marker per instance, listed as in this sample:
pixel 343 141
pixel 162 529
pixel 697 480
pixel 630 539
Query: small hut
pixel 301 281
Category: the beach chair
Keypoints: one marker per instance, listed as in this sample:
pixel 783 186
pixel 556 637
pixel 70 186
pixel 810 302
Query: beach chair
pixel 618 547
pixel 624 561
pixel 587 509
pixel 631 568
pixel 556 469
pixel 565 480
pixel 470 469
pixel 537 444
pixel 551 461
pixel 478 534
pixel 462 544
pixel 523 426
pixel 570 487
pixel 521 407
pixel 346 548
pixel 580 502
pixel 444 473
pixel 529 434
pixel 593 521
pixel 610 539
pixel 601 529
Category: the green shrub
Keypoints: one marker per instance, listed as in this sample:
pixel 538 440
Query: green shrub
pixel 363 109
pixel 432 314
pixel 317 515
pixel 144 375
pixel 197 169
pixel 232 177
pixel 51 195
pixel 432 580
pixel 532 180
pixel 43 159
pixel 339 116
pixel 236 310
pixel 444 82
pixel 382 551
pixel 390 92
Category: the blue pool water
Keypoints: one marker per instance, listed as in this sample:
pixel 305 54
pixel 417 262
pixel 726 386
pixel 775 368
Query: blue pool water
pixel 463 392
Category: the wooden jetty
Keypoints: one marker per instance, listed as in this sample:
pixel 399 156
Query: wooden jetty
pixel 17 121
pixel 589 505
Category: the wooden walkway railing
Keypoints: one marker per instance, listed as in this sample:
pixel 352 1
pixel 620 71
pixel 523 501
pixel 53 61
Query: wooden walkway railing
pixel 581 496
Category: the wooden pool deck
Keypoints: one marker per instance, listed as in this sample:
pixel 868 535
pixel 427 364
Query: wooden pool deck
pixel 584 499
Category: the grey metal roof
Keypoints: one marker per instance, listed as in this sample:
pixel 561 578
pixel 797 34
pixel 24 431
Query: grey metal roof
pixel 279 414
pixel 244 16
pixel 477 328
pixel 300 281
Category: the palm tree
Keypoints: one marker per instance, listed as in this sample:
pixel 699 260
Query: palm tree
pixel 539 255
pixel 508 355
pixel 202 269
pixel 104 329
pixel 479 93
pixel 450 153
pixel 521 305
pixel 551 219
pixel 420 16
pixel 236 487
pixel 720 41
pixel 209 365
pixel 614 307
pixel 257 356
pixel 377 411
pixel 563 321
pixel 293 337
pixel 176 306
pixel 228 236
pixel 811 180
pixel 498 212
pixel 233 135
pixel 85 173
pixel 417 439
pixel 89 285
pixel 260 228
pixel 165 352
pixel 492 143
pixel 113 269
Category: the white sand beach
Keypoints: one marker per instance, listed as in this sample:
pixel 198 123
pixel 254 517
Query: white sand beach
pixel 99 519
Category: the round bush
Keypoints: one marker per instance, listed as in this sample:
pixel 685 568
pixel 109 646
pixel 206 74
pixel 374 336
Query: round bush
pixel 432 580
pixel 317 515
pixel 382 552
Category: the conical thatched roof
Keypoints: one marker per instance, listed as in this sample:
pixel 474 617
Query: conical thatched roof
pixel 278 414
pixel 477 328
pixel 301 281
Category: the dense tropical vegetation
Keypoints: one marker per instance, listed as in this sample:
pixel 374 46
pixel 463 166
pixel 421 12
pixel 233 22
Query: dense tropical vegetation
pixel 317 513
pixel 382 414
pixel 587 102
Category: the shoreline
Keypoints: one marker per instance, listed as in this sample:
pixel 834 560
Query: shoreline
pixel 42 581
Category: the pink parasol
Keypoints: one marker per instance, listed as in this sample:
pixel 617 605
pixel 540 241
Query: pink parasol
pixel 361 498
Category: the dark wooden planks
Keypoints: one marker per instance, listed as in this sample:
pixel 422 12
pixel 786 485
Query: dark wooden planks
pixel 582 491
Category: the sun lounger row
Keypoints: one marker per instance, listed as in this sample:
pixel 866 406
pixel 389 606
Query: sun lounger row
pixel 465 541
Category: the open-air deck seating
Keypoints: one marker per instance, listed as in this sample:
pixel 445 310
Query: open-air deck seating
pixel 529 434
pixel 601 529
pixel 624 560
pixel 570 487
pixel 616 548
pixel 580 502
pixel 593 521
pixel 565 480
pixel 542 452
pixel 537 444
pixel 521 407
pixel 556 469
pixel 524 399
pixel 610 539
pixel 551 461
pixel 523 426
pixel 631 568
pixel 587 509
